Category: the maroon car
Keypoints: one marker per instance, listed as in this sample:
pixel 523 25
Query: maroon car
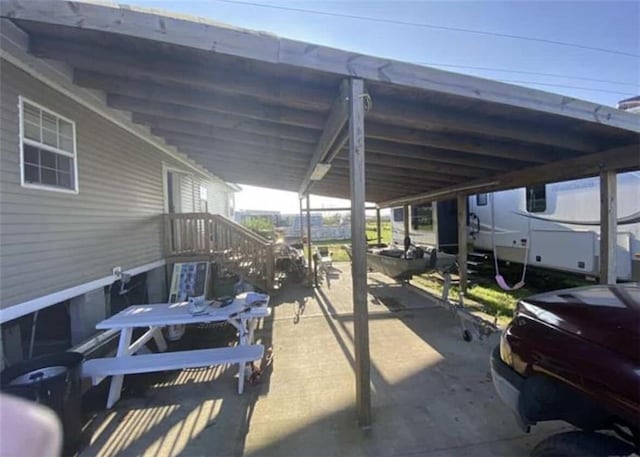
pixel 574 355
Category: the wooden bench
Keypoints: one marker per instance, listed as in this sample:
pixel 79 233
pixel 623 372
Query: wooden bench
pixel 97 369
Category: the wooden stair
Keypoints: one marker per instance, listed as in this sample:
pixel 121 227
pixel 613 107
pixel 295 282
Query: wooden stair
pixel 212 237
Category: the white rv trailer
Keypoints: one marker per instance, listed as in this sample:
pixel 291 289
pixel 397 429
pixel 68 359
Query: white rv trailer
pixel 431 224
pixel 559 221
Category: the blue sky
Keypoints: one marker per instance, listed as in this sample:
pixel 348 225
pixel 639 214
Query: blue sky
pixel 609 25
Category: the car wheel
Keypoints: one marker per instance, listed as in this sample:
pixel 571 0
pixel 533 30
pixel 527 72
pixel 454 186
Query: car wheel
pixel 581 444
pixel 466 335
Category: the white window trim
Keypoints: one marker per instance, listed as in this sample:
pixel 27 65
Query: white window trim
pixel 23 140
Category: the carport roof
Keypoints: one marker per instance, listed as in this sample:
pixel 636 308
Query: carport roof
pixel 257 109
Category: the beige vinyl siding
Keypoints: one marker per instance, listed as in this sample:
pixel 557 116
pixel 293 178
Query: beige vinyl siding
pixel 50 241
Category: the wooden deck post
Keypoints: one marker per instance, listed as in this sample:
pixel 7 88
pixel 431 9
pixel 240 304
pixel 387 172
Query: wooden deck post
pixel 407 220
pixel 309 253
pixel 378 226
pixel 359 251
pixel 462 242
pixel 608 227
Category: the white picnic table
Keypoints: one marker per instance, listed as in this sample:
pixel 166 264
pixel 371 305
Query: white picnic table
pixel 243 313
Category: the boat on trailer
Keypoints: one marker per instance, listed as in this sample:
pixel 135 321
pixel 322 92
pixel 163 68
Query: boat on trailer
pixel 403 264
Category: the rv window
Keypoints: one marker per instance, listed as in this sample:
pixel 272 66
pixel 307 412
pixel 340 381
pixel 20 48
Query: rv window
pixel 481 200
pixel 536 197
pixel 398 215
pixel 421 217
pixel 48 146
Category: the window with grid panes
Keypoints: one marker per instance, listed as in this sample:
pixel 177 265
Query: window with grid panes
pixel 48 149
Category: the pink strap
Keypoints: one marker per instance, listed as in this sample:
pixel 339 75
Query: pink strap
pixel 504 286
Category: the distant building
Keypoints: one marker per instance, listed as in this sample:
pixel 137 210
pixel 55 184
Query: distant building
pixel 241 216
pixel 290 227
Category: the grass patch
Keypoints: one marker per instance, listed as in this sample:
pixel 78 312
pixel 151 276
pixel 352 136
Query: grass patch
pixel 493 300
pixel 385 229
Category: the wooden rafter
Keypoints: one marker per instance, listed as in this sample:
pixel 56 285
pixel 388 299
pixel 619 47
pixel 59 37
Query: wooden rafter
pixel 622 158
pixel 335 122
pixel 209 37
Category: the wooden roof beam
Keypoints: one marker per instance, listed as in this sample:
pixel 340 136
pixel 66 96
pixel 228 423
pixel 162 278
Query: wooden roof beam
pixel 239 108
pixel 138 23
pixel 247 153
pixel 401 172
pixel 462 143
pixel 425 165
pixel 441 156
pixel 95 63
pixel 335 123
pixel 313 120
pixel 428 117
pixel 258 141
pixel 230 124
pixel 244 106
pixel 620 159
pixel 242 167
pixel 387 110
pixel 206 127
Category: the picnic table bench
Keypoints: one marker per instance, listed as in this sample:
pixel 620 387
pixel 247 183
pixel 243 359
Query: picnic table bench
pixel 242 313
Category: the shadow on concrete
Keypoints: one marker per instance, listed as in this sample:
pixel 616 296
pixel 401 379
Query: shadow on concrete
pixel 431 391
pixel 154 415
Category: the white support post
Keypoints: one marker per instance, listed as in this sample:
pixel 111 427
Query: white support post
pixel 462 242
pixel 359 251
pixel 608 227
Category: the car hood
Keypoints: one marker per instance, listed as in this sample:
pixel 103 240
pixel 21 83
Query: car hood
pixel 605 315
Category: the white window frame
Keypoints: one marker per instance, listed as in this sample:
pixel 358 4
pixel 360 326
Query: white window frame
pixel 23 140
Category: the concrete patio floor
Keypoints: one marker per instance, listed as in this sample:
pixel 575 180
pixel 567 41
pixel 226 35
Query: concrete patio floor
pixel 431 392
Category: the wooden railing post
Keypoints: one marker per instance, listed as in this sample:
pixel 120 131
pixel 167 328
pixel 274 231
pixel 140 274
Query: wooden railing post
pixel 203 234
pixel 207 234
pixel 168 238
pixel 270 266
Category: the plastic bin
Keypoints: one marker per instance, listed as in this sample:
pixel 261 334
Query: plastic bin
pixel 54 381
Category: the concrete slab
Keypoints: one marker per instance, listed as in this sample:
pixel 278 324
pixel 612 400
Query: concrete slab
pixel 432 393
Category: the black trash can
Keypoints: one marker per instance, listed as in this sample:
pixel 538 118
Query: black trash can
pixel 54 381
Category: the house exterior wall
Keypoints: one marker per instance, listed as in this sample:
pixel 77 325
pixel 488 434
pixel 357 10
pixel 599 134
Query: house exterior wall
pixel 50 241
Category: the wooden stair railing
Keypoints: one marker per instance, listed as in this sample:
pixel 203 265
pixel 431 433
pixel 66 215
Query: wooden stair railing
pixel 193 235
